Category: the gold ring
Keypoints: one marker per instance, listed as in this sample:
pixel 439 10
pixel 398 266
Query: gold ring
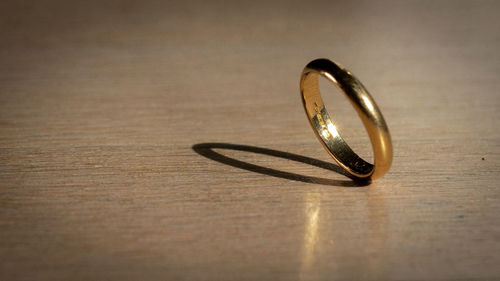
pixel 327 132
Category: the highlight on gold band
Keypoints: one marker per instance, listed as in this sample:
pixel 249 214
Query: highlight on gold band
pixel 325 128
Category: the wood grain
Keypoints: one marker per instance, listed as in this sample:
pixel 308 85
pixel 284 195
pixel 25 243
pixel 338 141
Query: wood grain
pixel 102 103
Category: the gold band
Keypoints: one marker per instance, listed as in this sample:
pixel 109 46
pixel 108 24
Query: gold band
pixel 326 130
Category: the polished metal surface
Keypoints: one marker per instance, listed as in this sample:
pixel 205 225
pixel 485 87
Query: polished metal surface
pixel 328 133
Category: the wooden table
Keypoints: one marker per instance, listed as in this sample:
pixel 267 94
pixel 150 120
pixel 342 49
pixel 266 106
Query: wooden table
pixel 166 140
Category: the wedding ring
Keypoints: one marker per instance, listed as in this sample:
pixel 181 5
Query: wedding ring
pixel 325 128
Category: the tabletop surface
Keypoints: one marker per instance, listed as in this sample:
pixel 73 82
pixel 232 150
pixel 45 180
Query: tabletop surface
pixel 166 140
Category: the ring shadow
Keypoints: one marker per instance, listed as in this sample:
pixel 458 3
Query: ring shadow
pixel 207 150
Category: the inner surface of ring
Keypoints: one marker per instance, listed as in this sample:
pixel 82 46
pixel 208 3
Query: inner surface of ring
pixel 327 131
